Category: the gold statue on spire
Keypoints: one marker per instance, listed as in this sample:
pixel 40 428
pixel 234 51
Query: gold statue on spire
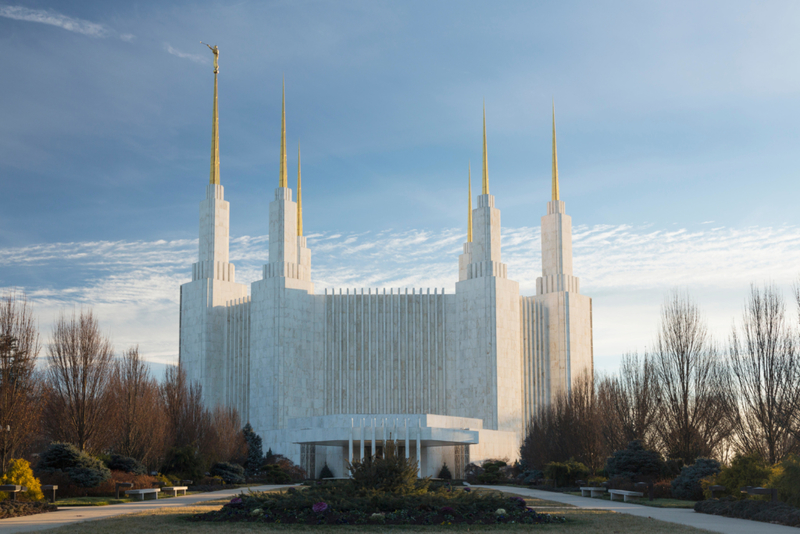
pixel 485 188
pixel 469 211
pixel 555 156
pixel 299 197
pixel 214 178
pixel 283 180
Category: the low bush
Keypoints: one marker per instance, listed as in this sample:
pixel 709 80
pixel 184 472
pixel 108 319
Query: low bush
pixel 786 479
pixel 117 462
pixel 444 472
pixel 687 485
pixel 230 473
pixel 273 474
pixel 19 473
pixel 743 471
pixel 566 473
pixel 67 489
pixel 18 509
pixel 531 476
pixel 393 472
pixel 83 470
pixel 635 461
pixel 493 472
pixel 755 510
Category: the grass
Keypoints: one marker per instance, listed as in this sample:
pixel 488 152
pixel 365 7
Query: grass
pixel 172 520
pixel 105 501
pixel 655 503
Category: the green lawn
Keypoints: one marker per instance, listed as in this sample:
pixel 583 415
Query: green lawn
pixel 657 503
pixel 105 501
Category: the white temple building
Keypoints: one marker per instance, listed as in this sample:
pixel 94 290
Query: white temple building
pixel 326 377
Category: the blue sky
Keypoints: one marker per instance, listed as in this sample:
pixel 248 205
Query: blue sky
pixel 677 124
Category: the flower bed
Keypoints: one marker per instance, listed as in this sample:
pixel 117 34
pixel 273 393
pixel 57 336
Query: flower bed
pixel 340 503
pixel 756 510
pixel 19 509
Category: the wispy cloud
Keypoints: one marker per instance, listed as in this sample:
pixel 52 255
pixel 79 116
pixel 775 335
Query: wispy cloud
pixel 42 16
pixel 133 286
pixel 197 58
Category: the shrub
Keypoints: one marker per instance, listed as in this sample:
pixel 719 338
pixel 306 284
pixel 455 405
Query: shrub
pixel 117 462
pixel 766 511
pixel 635 461
pixel 743 471
pixel 325 472
pixel 20 473
pixel 83 470
pixel 597 481
pixel 230 473
pixel 393 472
pixel 273 474
pixel 530 476
pixel 184 462
pixel 565 473
pixel 444 472
pixel 786 480
pixel 492 473
pixel 687 485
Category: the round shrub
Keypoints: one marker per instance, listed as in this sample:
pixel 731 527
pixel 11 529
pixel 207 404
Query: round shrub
pixel 393 472
pixel 230 473
pixel 184 462
pixel 687 485
pixel 19 473
pixel 127 464
pixel 83 470
pixel 743 471
pixel 530 476
pixel 635 461
pixel 786 480
pixel 492 472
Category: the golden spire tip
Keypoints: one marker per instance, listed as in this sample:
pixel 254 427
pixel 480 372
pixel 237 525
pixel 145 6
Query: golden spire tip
pixel 485 186
pixel 469 210
pixel 555 157
pixel 299 196
pixel 283 177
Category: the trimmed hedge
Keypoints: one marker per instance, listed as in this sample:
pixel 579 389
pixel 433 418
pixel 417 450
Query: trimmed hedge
pixel 766 511
pixel 117 462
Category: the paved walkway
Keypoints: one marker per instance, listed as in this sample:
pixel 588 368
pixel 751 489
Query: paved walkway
pixel 681 516
pixel 74 514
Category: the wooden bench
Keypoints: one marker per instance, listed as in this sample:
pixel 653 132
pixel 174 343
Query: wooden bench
pixel 174 490
pixel 625 494
pixel 51 490
pixel 147 494
pixel 12 490
pixel 592 491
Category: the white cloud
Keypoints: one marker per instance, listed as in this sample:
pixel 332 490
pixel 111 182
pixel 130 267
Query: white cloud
pixel 197 58
pixel 133 286
pixel 42 16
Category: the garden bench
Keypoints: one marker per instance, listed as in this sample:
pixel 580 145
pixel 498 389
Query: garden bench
pixel 119 485
pixel 772 492
pixel 147 494
pixel 651 490
pixel 592 491
pixel 12 490
pixel 52 489
pixel 714 489
pixel 625 494
pixel 174 490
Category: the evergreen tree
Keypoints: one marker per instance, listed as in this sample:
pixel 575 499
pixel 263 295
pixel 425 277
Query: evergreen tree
pixel 255 456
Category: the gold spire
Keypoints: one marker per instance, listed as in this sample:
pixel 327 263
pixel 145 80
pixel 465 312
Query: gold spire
pixel 555 156
pixel 214 178
pixel 469 212
pixel 485 188
pixel 299 197
pixel 283 180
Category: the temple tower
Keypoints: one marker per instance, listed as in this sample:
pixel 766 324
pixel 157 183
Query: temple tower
pixel 201 352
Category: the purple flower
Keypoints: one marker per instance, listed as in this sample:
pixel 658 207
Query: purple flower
pixel 319 507
pixel 520 501
pixel 467 489
pixel 449 510
pixel 236 500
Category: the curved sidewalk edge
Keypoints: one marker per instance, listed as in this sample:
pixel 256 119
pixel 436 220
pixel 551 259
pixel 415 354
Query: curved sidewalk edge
pixel 75 514
pixel 681 516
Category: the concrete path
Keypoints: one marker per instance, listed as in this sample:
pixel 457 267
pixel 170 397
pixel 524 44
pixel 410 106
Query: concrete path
pixel 74 514
pixel 681 516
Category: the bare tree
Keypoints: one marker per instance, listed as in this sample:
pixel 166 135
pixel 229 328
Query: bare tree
pixel 188 420
pixel 630 402
pixel 19 381
pixel 138 429
pixel 80 365
pixel 763 360
pixel 225 441
pixel 696 403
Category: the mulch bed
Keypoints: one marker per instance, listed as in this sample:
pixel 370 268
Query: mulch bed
pixel 765 511
pixel 19 509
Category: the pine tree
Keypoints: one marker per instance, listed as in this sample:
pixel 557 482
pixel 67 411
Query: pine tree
pixel 255 455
